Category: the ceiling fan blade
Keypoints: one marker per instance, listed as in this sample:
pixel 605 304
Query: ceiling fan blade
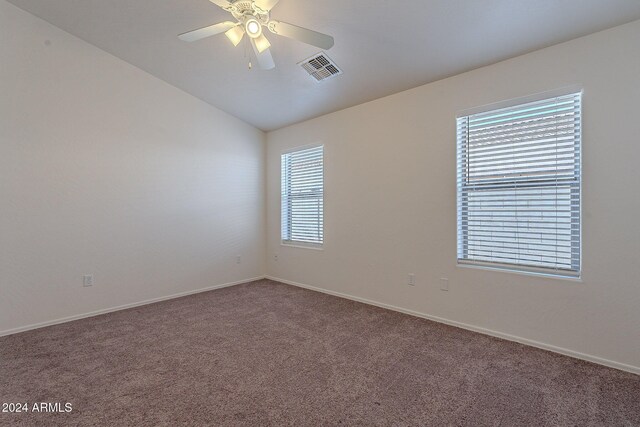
pixel 264 59
pixel 222 3
pixel 304 35
pixel 209 31
pixel 266 4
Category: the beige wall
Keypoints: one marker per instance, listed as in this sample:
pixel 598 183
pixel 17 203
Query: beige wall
pixel 109 171
pixel 390 204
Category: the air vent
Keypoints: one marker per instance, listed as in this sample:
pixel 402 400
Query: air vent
pixel 320 67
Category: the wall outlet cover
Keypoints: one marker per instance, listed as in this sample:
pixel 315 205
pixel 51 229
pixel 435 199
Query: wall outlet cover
pixel 87 280
pixel 412 279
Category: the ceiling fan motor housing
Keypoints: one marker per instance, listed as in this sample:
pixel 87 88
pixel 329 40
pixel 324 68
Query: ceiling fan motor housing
pixel 244 9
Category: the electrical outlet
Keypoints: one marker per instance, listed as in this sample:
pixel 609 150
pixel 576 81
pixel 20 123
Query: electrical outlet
pixel 444 284
pixel 238 259
pixel 87 280
pixel 412 279
pixel 275 257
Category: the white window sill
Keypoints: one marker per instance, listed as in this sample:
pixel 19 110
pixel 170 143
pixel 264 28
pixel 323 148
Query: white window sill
pixel 302 246
pixel 525 272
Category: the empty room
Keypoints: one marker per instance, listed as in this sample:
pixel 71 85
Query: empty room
pixel 319 213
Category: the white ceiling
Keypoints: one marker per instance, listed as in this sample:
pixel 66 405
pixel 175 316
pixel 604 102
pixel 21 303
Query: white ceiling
pixel 383 46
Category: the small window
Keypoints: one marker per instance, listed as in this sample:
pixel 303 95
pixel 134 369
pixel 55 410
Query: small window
pixel 519 187
pixel 303 197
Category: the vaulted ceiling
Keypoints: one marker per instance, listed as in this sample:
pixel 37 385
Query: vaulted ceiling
pixel 383 46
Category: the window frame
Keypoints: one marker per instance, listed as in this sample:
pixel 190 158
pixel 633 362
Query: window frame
pixel 298 243
pixel 549 272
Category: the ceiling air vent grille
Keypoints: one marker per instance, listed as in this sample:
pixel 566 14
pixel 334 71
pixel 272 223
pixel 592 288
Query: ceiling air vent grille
pixel 320 67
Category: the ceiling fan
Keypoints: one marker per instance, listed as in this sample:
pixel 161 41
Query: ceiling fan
pixel 251 17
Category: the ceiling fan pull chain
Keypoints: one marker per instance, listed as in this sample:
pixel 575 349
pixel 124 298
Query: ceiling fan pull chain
pixel 245 54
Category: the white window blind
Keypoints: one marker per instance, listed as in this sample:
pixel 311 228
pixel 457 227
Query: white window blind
pixel 302 196
pixel 519 187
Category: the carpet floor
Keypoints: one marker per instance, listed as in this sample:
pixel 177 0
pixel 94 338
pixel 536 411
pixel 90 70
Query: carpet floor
pixel 265 353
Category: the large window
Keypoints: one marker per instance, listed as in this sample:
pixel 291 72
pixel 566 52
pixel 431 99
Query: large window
pixel 303 197
pixel 519 187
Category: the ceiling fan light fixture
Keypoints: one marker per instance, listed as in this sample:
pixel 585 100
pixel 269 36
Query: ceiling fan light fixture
pixel 253 27
pixel 262 43
pixel 235 34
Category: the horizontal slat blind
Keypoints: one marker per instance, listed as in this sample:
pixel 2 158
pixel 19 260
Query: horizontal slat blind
pixel 303 196
pixel 519 186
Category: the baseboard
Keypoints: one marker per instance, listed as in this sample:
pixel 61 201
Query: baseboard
pixel 123 307
pixel 508 337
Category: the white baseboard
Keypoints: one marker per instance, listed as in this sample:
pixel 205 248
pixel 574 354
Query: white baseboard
pixel 508 337
pixel 123 307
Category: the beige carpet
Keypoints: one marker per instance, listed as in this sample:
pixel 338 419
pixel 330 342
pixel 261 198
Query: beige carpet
pixel 270 354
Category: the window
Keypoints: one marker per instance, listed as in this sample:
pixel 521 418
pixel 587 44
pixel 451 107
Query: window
pixel 302 197
pixel 519 187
